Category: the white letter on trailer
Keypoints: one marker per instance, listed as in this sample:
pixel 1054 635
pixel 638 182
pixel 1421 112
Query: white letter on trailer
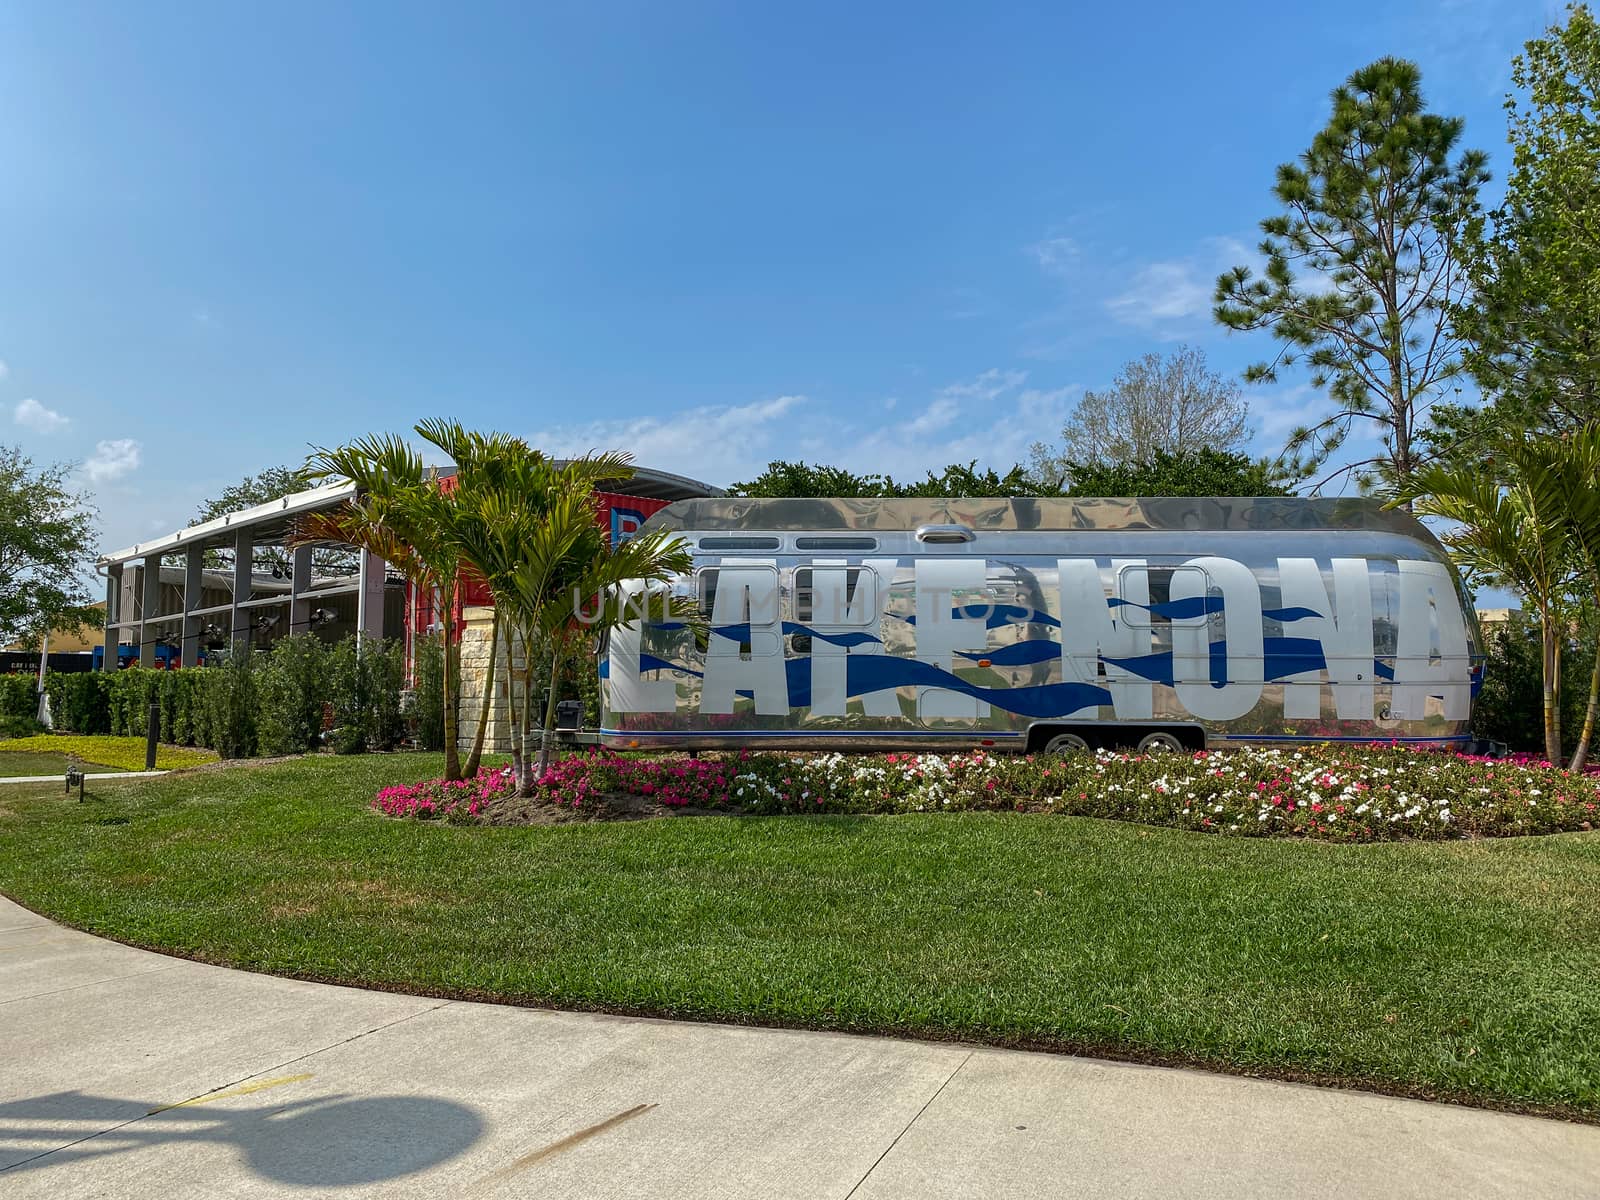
pixel 626 688
pixel 747 593
pixel 835 611
pixel 1191 640
pixel 1344 629
pixel 940 633
pixel 1429 601
pixel 1090 631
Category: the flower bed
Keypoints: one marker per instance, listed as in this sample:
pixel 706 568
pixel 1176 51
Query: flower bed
pixel 462 800
pixel 1339 793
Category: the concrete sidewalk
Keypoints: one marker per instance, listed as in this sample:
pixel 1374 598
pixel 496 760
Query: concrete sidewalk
pixel 132 1074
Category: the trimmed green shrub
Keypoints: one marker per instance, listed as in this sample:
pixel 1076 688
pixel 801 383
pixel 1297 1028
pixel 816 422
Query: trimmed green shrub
pixel 1510 707
pixel 427 696
pixel 19 696
pixel 364 686
pixel 16 727
pixel 291 682
pixel 80 701
pixel 227 706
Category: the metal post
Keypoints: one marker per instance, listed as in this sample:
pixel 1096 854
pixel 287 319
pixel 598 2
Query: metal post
pixel 152 734
pixel 244 549
pixel 113 615
pixel 299 581
pixel 369 597
pixel 42 711
pixel 193 585
pixel 149 608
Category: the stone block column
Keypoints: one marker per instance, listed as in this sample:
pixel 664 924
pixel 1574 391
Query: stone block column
pixel 477 626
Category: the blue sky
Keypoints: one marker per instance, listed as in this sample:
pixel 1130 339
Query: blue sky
pixel 888 236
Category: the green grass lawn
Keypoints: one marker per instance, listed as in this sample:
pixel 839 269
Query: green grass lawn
pixel 99 752
pixel 1457 969
pixel 19 764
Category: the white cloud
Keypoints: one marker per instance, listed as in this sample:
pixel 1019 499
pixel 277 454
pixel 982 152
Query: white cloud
pixel 1172 297
pixel 715 443
pixel 992 418
pixel 1056 255
pixel 1162 292
pixel 113 459
pixel 30 414
pixel 4 370
pixel 938 415
pixel 992 384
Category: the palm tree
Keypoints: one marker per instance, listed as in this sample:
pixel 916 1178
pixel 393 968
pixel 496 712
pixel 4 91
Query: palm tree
pixel 399 514
pixel 526 523
pixel 1573 482
pixel 1513 529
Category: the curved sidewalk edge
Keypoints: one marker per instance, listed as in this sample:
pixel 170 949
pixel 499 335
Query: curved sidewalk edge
pixel 133 1074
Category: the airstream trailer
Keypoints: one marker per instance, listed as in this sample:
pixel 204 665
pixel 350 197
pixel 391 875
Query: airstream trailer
pixel 1044 624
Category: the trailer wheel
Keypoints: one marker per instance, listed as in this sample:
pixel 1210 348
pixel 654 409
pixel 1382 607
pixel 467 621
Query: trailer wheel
pixel 1067 743
pixel 1160 743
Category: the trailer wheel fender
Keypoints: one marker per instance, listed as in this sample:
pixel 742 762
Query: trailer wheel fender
pixel 1161 742
pixel 1067 743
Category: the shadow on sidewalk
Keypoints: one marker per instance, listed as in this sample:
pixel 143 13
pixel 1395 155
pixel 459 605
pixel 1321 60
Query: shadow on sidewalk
pixel 328 1142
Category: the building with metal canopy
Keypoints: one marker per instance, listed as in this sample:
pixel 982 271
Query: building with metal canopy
pixel 233 582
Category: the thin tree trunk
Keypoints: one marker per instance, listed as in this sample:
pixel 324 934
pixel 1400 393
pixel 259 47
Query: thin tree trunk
pixel 452 687
pixel 525 782
pixel 512 710
pixel 475 759
pixel 1552 686
pixel 548 734
pixel 1580 756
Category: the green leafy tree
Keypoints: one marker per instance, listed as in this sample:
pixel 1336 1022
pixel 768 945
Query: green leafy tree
pixel 1511 529
pixel 1363 270
pixel 964 479
pixel 400 514
pixel 46 539
pixel 526 524
pixel 1570 479
pixel 271 483
pixel 800 480
pixel 1204 472
pixel 1534 322
pixel 1172 404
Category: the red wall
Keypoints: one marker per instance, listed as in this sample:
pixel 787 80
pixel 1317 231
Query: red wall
pixel 620 513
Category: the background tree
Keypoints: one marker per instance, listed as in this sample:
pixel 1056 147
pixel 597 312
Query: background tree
pixel 1511 529
pixel 1203 472
pixel 1534 323
pixel 271 483
pixel 400 514
pixel 800 480
pixel 526 524
pixel 1172 404
pixel 1363 270
pixel 46 549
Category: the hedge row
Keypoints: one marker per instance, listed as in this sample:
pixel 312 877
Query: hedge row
pixel 300 695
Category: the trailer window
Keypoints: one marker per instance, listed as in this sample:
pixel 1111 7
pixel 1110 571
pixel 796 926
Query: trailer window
pixel 766 612
pixel 739 543
pixel 1155 613
pixel 835 543
pixel 857 605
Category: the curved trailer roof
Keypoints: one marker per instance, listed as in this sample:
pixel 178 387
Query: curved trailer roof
pixel 1264 513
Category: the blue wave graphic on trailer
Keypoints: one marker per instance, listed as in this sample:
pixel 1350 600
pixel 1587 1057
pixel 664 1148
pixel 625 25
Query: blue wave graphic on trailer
pixel 1282 658
pixel 994 615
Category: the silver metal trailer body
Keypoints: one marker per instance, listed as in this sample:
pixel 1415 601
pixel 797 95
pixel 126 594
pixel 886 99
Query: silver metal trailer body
pixel 960 623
